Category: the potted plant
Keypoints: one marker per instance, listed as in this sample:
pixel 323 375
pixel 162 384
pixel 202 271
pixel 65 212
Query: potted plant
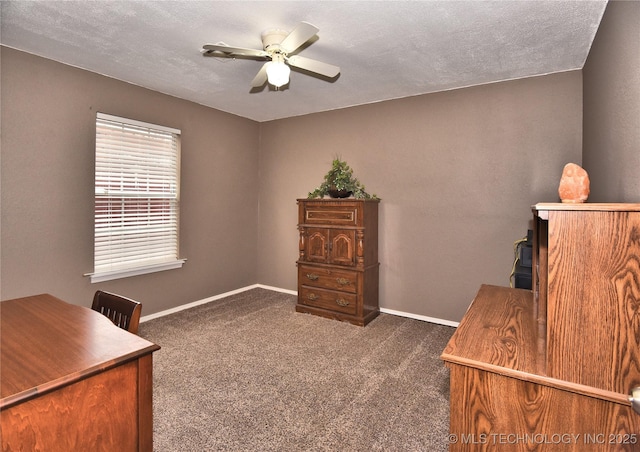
pixel 339 182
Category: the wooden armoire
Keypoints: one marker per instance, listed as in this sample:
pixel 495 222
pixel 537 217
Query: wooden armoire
pixel 552 368
pixel 338 261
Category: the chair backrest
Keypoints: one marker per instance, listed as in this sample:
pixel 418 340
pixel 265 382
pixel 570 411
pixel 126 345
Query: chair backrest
pixel 123 311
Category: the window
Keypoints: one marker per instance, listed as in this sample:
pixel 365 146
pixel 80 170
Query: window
pixel 136 198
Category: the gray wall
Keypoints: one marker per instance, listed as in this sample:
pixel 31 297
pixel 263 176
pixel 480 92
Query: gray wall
pixel 611 152
pixel 457 172
pixel 48 146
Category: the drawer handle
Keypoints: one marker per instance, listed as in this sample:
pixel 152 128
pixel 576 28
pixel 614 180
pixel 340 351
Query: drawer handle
pixel 342 302
pixel 312 297
pixel 634 398
pixel 343 281
pixel 312 276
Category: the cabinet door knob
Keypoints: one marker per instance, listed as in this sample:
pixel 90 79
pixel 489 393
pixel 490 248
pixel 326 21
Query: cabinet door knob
pixel 634 398
pixel 312 276
pixel 342 302
pixel 343 281
pixel 312 297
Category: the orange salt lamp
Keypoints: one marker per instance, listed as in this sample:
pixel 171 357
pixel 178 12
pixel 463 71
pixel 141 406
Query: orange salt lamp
pixel 574 184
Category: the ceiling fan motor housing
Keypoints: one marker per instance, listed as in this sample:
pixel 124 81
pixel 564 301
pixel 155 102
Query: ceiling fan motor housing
pixel 271 39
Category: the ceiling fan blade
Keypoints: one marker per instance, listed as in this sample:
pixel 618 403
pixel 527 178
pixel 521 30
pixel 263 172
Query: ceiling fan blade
pixel 261 77
pixel 328 70
pixel 209 49
pixel 298 36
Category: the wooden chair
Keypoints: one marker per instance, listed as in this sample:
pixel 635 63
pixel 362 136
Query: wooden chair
pixel 123 312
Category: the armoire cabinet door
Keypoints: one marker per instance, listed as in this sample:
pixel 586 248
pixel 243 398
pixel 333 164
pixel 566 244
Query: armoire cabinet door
pixel 317 245
pixel 331 246
pixel 342 247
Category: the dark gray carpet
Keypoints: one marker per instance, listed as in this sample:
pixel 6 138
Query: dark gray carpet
pixel 248 373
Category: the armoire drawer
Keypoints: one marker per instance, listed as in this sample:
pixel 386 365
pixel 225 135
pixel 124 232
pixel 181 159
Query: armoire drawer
pixel 328 278
pixel 327 299
pixel 339 214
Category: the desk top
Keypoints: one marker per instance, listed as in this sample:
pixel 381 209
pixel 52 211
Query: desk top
pixel 46 343
pixel 587 206
pixel 500 334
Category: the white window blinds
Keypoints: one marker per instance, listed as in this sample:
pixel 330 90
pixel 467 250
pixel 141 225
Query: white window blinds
pixel 136 198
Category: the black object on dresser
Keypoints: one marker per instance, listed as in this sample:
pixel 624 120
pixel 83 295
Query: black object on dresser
pixel 522 274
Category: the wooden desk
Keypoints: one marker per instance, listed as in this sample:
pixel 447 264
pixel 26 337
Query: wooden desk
pixel 501 399
pixel 71 380
pixel 551 369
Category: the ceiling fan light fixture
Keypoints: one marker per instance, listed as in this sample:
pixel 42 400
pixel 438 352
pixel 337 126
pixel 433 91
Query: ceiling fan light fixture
pixel 278 72
pixel 277 45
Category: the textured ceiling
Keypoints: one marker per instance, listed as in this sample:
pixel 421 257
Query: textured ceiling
pixel 385 49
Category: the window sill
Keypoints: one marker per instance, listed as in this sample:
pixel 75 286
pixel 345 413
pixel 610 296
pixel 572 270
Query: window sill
pixel 126 273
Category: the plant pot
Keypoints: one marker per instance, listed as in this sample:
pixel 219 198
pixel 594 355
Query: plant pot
pixel 339 193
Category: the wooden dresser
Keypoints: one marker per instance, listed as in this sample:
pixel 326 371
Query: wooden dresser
pixel 72 380
pixel 552 368
pixel 338 263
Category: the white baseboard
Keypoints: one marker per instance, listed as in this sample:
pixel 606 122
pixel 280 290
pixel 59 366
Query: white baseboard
pixel 156 315
pixel 424 318
pixel 278 289
pixel 290 292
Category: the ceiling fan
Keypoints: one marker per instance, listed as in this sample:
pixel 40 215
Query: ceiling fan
pixel 278 48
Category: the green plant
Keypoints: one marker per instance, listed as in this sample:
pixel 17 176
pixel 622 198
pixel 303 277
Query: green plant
pixel 340 178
